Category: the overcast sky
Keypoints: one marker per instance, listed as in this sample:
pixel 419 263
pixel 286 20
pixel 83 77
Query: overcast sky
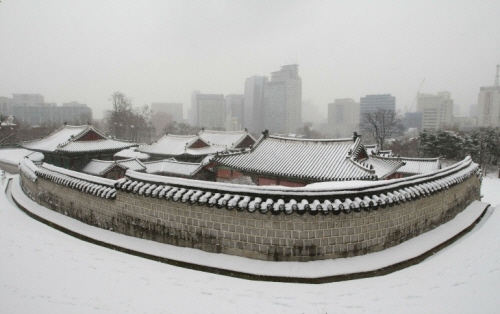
pixel 161 51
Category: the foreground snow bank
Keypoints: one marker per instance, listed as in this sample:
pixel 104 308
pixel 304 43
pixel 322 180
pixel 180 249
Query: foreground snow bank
pixel 45 271
pixel 318 269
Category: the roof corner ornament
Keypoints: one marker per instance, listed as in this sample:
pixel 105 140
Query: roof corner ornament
pixel 65 123
pixel 265 133
pixel 246 130
pixel 355 135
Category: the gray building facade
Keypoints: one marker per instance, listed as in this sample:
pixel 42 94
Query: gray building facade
pixel 253 118
pixel 373 103
pixel 282 106
pixel 211 111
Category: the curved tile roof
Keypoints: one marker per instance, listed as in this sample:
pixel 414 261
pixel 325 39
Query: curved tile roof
pixel 131 153
pixel 384 166
pixel 314 160
pixel 58 137
pixel 176 145
pixel 99 167
pixel 228 139
pixel 420 165
pixel 172 167
pixel 90 146
pixel 66 139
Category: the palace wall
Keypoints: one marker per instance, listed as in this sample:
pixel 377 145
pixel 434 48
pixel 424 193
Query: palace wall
pixel 257 235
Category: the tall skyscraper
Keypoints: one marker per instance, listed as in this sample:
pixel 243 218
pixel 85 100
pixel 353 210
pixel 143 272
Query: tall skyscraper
pixel 343 117
pixel 211 111
pixel 372 103
pixel 437 110
pixel 193 111
pixel 282 106
pixel 253 118
pixel 488 106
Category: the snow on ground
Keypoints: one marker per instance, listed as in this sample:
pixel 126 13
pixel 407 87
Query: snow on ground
pixel 45 271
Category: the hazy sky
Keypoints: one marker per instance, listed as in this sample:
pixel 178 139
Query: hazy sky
pixel 160 51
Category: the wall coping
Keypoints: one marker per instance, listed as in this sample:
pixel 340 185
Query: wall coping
pixel 277 200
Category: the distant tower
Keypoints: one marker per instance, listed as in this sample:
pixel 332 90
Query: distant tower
pixel 282 110
pixel 488 104
pixel 211 110
pixel 496 76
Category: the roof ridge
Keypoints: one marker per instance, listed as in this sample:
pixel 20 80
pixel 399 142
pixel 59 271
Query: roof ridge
pixel 222 132
pixel 349 139
pixel 172 161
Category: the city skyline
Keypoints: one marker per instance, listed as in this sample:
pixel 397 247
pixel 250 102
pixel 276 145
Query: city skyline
pixel 157 51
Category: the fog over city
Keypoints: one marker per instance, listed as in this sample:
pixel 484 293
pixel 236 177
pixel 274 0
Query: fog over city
pixel 161 51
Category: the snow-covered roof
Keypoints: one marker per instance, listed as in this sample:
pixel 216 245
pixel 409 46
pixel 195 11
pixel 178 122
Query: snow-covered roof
pixel 229 139
pixel 374 149
pixel 173 167
pixel 308 160
pixel 131 153
pixel 91 146
pixel 13 156
pixel 419 165
pixel 67 139
pixel 384 166
pixel 177 145
pixel 100 167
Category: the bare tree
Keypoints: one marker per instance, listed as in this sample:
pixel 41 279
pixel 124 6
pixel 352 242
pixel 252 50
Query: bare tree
pixel 127 123
pixel 381 125
pixel 118 120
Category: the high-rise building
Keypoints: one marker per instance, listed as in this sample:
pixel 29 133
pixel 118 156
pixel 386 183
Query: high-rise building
pixel 343 118
pixel 473 111
pixel 373 103
pixel 28 99
pixel 282 106
pixel 31 109
pixel 173 109
pixel 235 112
pixel 50 113
pixel 253 118
pixel 488 106
pixel 193 111
pixel 412 120
pixel 211 111
pixel 437 110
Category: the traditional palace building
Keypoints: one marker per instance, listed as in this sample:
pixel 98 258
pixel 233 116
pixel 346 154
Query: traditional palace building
pixel 72 147
pixel 298 162
pixel 197 147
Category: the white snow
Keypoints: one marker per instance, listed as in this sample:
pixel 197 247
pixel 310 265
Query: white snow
pixel 79 175
pixel 46 271
pixel 13 156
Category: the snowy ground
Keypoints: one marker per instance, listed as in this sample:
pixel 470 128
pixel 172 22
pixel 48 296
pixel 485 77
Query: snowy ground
pixel 45 271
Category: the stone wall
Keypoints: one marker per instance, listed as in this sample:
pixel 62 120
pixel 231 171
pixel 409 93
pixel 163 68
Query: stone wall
pixel 255 235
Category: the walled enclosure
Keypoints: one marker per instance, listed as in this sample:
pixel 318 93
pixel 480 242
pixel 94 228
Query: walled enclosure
pixel 275 231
